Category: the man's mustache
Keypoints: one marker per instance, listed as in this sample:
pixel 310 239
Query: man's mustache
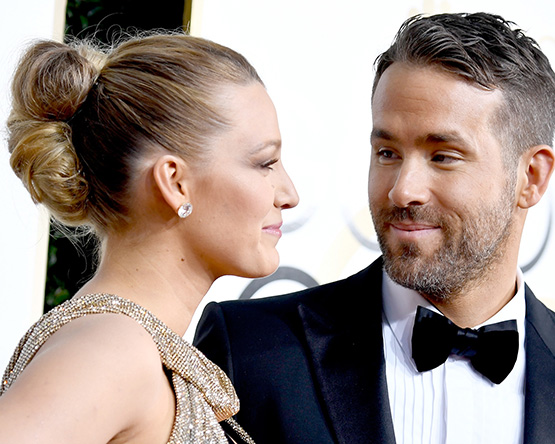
pixel 416 214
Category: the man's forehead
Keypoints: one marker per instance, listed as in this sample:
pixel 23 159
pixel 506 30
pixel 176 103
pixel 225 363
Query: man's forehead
pixel 433 68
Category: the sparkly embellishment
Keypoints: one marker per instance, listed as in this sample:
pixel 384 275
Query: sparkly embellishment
pixel 204 394
pixel 185 210
pixel 239 431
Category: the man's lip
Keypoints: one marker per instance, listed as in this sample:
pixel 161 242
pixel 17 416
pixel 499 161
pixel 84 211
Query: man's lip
pixel 413 226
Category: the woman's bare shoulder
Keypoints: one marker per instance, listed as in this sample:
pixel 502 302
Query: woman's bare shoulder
pixel 96 377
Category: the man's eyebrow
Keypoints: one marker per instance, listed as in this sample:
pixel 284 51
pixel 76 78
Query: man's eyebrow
pixel 378 133
pixel 430 138
pixel 447 137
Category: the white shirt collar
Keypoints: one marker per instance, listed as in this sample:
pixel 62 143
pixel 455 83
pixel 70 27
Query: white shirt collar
pixel 400 304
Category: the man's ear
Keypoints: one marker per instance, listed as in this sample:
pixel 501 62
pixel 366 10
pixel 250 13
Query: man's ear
pixel 538 163
pixel 170 176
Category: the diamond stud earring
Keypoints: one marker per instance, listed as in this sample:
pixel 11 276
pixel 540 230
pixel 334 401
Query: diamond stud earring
pixel 185 210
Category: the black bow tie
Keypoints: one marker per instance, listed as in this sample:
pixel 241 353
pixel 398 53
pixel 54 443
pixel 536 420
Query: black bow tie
pixel 492 349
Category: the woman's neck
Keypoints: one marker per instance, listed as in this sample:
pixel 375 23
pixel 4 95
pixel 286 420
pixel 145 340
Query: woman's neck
pixel 154 274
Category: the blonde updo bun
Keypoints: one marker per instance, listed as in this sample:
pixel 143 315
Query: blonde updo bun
pixel 83 119
pixel 50 84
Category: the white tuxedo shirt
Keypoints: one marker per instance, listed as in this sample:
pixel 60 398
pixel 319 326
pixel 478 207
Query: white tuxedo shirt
pixel 453 403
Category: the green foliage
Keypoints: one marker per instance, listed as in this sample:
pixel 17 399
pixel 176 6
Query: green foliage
pixel 107 20
pixel 56 291
pixel 81 14
pixel 71 262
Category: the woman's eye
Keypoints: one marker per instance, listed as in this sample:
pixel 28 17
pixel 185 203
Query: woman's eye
pixel 269 163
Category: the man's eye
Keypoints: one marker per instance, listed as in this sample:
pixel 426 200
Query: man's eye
pixel 386 154
pixel 444 158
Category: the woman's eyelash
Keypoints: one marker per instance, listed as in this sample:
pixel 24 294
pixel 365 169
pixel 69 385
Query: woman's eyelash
pixel 269 163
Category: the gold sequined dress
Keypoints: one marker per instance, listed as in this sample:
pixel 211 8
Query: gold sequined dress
pixel 204 394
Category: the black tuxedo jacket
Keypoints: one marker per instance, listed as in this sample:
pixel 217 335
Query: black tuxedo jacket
pixel 309 367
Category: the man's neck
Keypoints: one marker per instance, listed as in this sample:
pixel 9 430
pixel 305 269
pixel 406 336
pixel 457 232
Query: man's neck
pixel 478 302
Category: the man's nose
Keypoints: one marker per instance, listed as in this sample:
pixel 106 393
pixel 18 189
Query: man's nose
pixel 411 185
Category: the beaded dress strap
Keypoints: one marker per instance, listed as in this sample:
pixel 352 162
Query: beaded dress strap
pixel 176 353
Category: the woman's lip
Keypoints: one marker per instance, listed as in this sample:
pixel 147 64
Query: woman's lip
pixel 273 229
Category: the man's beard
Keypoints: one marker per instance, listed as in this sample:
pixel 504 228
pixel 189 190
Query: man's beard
pixel 464 256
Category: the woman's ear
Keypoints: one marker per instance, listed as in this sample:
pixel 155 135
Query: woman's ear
pixel 539 162
pixel 170 176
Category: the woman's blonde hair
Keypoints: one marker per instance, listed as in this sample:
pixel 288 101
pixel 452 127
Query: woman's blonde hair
pixel 83 116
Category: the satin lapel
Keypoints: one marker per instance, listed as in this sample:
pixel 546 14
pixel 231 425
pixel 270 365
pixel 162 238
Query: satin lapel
pixel 344 335
pixel 539 426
